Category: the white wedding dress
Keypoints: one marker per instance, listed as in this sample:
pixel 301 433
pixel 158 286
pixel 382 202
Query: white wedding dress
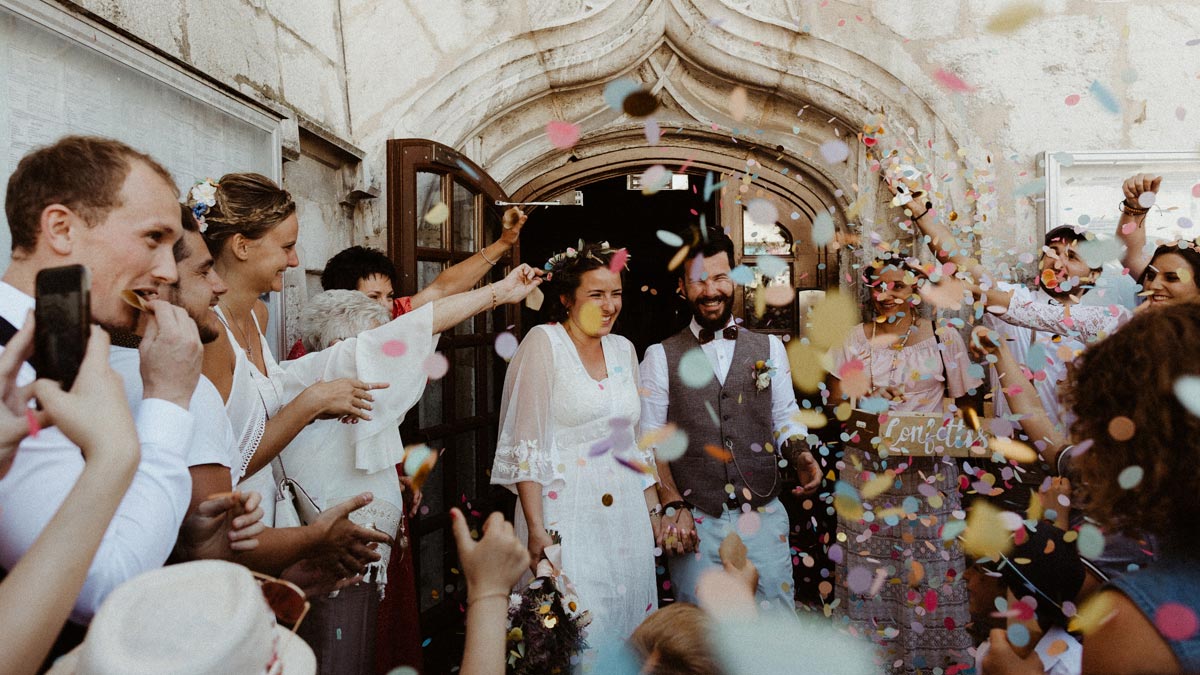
pixel 576 437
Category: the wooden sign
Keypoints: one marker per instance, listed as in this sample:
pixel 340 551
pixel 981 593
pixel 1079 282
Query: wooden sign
pixel 919 434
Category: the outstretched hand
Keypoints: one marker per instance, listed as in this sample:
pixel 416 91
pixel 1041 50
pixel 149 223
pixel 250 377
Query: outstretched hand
pixel 493 564
pixel 1137 185
pixel 519 283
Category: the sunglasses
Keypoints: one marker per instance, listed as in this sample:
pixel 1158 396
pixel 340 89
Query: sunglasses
pixel 286 600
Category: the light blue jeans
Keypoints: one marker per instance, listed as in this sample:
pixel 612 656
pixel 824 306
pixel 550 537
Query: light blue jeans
pixel 767 547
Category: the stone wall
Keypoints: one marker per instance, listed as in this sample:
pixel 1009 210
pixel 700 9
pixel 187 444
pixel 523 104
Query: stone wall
pixel 484 76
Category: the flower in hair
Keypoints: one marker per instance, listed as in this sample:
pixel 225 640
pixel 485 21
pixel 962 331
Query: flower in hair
pixel 203 196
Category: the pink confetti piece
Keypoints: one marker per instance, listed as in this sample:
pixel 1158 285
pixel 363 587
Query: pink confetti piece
pixel 436 366
pixel 618 261
pixel 1073 99
pixel 1176 621
pixel 31 420
pixel 951 81
pixel 394 348
pixel 653 133
pixel 562 135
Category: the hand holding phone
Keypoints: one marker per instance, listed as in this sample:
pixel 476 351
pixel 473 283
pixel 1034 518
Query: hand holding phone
pixel 62 321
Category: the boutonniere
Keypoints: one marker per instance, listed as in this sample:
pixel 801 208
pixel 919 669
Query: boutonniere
pixel 763 372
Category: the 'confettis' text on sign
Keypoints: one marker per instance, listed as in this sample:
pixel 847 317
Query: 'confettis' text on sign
pixel 921 434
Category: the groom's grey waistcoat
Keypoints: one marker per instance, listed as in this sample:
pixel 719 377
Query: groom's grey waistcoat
pixel 742 426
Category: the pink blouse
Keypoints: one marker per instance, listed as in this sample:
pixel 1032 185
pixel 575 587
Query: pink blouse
pixel 918 368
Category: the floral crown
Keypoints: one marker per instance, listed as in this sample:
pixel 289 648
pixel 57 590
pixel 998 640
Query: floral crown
pixel 203 197
pixel 560 260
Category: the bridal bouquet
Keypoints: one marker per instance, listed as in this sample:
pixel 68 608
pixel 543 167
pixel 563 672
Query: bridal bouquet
pixel 545 621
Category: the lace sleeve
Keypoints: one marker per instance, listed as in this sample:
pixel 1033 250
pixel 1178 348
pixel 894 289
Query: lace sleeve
pixel 525 450
pixel 1087 323
pixel 645 454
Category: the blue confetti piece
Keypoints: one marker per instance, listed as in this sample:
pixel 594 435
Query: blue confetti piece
pixel 873 404
pixel 1036 186
pixel 742 275
pixel 426 642
pixel 1036 358
pixel 771 266
pixel 710 187
pixel 1018 635
pixel 1105 97
pixel 616 91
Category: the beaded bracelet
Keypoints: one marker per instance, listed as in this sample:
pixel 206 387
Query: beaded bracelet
pixel 487 259
pixel 1131 210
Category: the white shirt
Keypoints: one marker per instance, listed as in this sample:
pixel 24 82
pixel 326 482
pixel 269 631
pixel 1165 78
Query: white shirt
pixel 45 468
pixel 1049 370
pixel 656 383
pixel 212 439
pixel 1068 661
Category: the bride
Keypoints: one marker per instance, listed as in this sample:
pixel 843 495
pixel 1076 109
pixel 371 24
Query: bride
pixel 567 446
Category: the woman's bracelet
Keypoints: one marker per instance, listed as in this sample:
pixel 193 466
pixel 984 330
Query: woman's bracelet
pixel 485 596
pixel 487 259
pixel 678 505
pixel 928 208
pixel 493 289
pixel 657 511
pixel 1132 210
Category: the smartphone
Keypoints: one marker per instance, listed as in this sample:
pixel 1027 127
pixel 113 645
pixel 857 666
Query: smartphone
pixel 62 320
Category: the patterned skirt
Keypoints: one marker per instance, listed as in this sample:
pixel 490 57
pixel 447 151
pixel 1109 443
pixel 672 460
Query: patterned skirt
pixel 898 584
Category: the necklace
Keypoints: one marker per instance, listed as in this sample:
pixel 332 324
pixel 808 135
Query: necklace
pixel 899 347
pixel 247 345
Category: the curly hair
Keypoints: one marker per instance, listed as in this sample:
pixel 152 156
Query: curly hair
pixel 249 204
pixel 566 272
pixel 354 264
pixel 1184 249
pixel 336 315
pixel 1132 375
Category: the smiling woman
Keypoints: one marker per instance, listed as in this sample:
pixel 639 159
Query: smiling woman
pixel 1171 274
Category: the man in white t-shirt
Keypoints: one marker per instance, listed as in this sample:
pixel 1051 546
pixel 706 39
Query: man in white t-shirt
pixel 101 204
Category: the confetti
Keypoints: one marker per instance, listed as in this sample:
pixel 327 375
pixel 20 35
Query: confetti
pixel 834 152
pixel 1105 97
pixel 742 275
pixel 858 580
pixel 435 366
pixel 590 318
pixel 1018 635
pixel 1013 17
pixel 951 81
pixel 669 442
pixel 394 348
pixel 822 229
pixel 1036 186
pixel 669 238
pixel 438 214
pixel 1121 428
pixel 831 320
pixel 986 534
pixel 1090 541
pixel 762 212
pixel 1130 477
pixel 418 462
pixel 506 345
pixel 616 91
pixel 654 179
pixel 1092 614
pixel 694 369
pixel 607 499
pixel 1176 622
pixel 639 103
pixel 535 299
pixel 749 524
pixel 562 135
pixel 1187 390
pixel 1072 99
pixel 653 133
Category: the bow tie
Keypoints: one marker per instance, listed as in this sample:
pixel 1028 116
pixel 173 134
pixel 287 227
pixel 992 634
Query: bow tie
pixel 707 336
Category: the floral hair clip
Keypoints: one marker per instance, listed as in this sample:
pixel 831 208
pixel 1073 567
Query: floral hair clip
pixel 559 260
pixel 203 196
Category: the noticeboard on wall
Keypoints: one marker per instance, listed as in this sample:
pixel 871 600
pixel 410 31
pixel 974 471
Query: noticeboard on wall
pixel 61 74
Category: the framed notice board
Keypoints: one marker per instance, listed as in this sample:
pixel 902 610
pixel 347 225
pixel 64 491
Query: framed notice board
pixel 61 74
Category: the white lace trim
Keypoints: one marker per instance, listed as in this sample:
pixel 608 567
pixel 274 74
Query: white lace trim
pixel 526 461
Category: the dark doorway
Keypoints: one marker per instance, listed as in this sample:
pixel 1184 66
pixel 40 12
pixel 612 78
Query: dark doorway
pixel 625 218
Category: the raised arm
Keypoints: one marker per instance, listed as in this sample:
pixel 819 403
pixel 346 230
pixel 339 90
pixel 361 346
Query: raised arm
pixel 463 276
pixel 453 310
pixel 1019 391
pixel 1131 228
pixel 941 240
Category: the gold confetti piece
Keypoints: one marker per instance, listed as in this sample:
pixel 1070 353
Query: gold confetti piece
pixel 811 419
pixel 1014 450
pixel 986 534
pixel 718 453
pixel 733 550
pixel 1013 17
pixel 831 320
pixel 438 214
pixel 678 258
pixel 878 485
pixel 808 369
pixel 843 411
pixel 1121 428
pixel 607 500
pixel 1092 614
pixel 590 318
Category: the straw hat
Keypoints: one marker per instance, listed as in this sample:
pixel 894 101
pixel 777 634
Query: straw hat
pixel 195 618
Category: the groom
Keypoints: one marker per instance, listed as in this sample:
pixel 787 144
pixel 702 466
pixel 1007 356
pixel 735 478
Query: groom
pixel 730 391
